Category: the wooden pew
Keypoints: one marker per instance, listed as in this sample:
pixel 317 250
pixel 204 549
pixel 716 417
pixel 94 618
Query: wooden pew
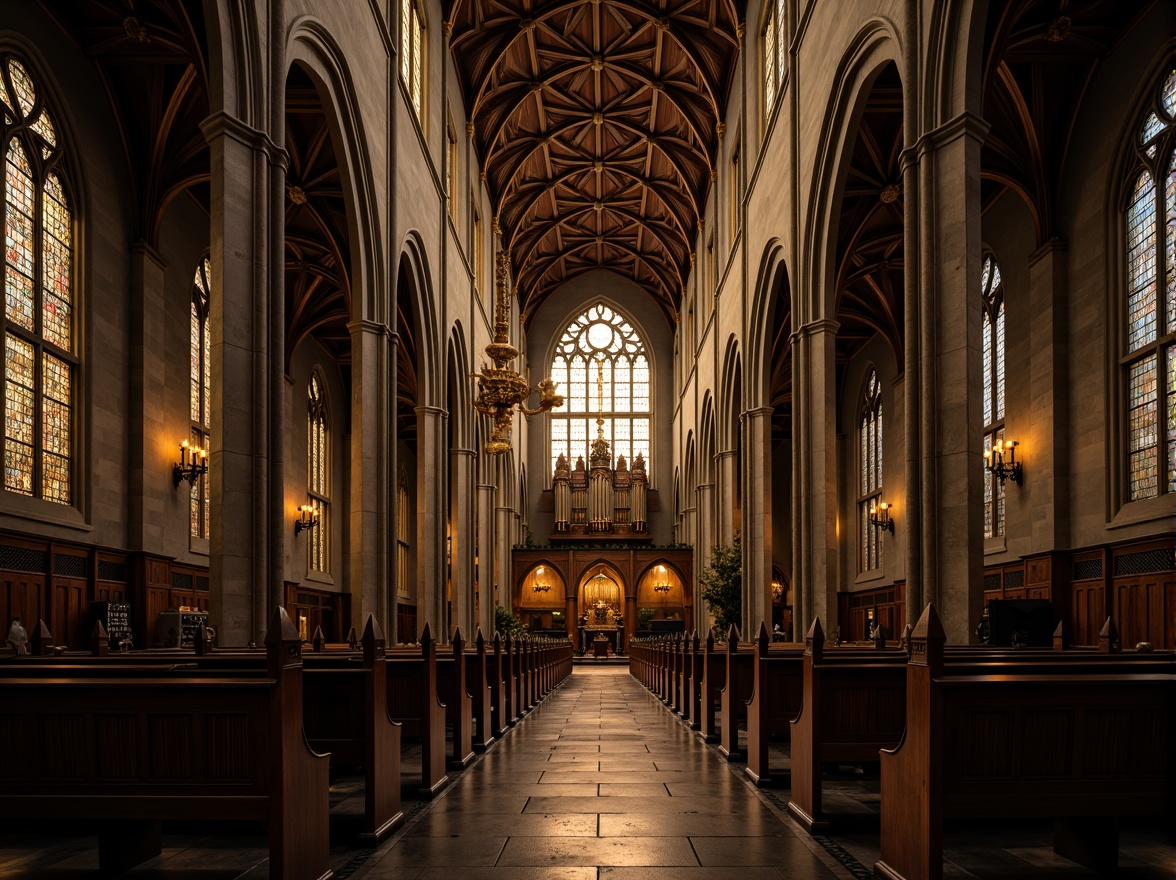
pixel 131 752
pixel 738 677
pixel 459 704
pixel 1083 748
pixel 714 675
pixel 346 712
pixel 344 705
pixel 775 700
pixel 413 701
pixel 692 683
pixel 480 685
pixel 498 677
pixel 852 706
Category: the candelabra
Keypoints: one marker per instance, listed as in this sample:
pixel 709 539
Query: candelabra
pixel 500 388
pixel 192 466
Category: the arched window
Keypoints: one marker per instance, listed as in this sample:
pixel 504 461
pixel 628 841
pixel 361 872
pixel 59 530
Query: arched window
pixel 403 524
pixel 412 47
pixel 318 469
pixel 1149 353
pixel 199 396
pixel 40 365
pixel 992 303
pixel 870 472
pixel 600 366
pixel 774 48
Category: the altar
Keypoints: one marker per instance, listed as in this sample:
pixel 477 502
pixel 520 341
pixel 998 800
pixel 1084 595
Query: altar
pixel 602 619
pixel 611 636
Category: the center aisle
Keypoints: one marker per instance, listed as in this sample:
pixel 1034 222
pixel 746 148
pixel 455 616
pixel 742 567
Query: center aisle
pixel 600 781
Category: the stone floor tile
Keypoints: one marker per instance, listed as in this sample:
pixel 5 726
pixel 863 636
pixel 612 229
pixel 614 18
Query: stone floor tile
pixel 660 851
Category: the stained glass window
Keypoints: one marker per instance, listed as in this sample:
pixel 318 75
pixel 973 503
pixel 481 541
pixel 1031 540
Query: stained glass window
pixel 318 469
pixel 403 530
pixel 869 472
pixel 601 368
pixel 993 408
pixel 774 46
pixel 41 368
pixel 1149 324
pixel 199 396
pixel 412 42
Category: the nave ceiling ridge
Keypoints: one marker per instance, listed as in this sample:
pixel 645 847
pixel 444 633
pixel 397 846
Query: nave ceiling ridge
pixel 598 126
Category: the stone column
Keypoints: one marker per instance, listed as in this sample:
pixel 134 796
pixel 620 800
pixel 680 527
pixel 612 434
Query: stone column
pixel 156 446
pixel 704 527
pixel 503 533
pixel 486 573
pixel 757 519
pixel 247 376
pixel 1046 486
pixel 949 331
pixel 369 525
pixel 725 467
pixel 430 537
pixel 461 538
pixel 815 590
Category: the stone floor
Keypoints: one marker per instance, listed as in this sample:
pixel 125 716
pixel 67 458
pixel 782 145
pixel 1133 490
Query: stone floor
pixel 600 781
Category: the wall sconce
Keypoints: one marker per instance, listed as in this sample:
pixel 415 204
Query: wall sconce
pixel 995 464
pixel 777 590
pixel 541 588
pixel 308 518
pixel 880 517
pixel 661 588
pixel 192 466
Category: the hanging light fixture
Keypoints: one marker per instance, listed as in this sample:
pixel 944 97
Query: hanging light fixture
pixel 501 388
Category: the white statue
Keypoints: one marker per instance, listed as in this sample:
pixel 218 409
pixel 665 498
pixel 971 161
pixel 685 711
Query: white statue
pixel 18 637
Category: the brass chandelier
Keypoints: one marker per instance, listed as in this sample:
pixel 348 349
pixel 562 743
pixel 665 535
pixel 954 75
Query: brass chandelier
pixel 501 388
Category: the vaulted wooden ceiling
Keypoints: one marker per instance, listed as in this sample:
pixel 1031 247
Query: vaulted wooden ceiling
pixel 150 56
pixel 1041 58
pixel 597 124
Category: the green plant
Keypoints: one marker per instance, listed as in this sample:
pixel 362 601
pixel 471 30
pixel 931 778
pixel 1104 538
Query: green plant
pixel 644 615
pixel 506 623
pixel 722 586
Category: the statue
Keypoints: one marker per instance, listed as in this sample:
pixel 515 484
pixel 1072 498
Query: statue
pixel 18 637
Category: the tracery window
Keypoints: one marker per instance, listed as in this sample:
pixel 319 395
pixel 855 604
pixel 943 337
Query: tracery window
pixel 412 47
pixel 40 364
pixel 869 472
pixel 774 47
pixel 1149 343
pixel 992 292
pixel 318 470
pixel 601 368
pixel 403 524
pixel 199 397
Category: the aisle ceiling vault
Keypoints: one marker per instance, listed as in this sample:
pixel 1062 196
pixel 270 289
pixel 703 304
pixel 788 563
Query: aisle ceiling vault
pixel 597 125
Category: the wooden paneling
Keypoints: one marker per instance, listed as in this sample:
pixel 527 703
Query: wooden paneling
pixel 21 595
pixel 1088 609
pixel 1145 609
pixel 70 612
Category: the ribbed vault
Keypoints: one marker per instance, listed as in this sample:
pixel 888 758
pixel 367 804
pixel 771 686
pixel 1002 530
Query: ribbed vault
pixel 597 124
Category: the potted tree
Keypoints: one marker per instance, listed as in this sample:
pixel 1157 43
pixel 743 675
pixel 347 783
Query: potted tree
pixel 722 585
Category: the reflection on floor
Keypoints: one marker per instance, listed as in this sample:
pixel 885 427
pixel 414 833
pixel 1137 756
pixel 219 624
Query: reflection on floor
pixel 600 781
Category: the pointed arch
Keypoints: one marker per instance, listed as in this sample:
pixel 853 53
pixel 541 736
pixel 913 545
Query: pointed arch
pixel 876 45
pixel 311 46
